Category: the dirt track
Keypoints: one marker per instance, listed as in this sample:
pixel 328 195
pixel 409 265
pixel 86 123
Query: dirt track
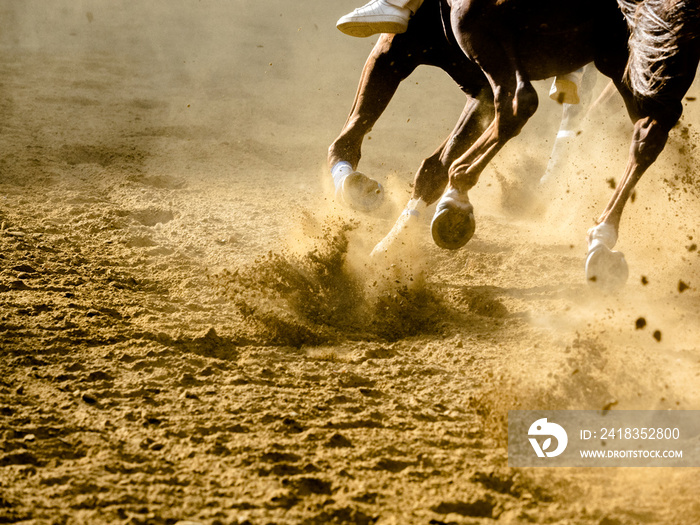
pixel 190 327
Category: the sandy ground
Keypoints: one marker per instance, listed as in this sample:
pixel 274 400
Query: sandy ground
pixel 191 330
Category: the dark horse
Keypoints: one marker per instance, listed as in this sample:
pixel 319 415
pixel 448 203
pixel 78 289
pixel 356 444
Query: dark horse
pixel 648 48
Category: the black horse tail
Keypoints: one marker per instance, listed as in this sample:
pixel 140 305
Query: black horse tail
pixel 659 29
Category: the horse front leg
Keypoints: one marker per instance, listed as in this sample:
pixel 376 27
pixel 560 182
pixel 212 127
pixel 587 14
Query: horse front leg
pixel 606 268
pixel 454 224
pixel 389 63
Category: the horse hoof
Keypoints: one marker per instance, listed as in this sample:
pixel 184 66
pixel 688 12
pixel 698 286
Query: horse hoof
pixel 606 269
pixel 362 193
pixel 453 225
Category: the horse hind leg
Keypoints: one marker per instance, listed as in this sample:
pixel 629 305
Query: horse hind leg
pixel 605 268
pixel 573 115
pixel 475 26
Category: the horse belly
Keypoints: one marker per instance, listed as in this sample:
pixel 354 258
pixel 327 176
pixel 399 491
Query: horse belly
pixel 554 37
pixel 550 59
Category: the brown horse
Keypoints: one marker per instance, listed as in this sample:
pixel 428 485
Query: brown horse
pixel 428 41
pixel 509 43
pixel 516 41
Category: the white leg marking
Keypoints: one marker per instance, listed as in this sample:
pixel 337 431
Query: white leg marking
pixel 405 224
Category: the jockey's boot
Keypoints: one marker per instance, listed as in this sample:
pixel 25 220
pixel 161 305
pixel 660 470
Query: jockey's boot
pixel 379 16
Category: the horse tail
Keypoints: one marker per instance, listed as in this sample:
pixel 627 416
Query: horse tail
pixel 658 30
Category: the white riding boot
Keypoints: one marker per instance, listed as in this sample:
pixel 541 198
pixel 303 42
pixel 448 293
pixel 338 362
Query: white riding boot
pixel 379 16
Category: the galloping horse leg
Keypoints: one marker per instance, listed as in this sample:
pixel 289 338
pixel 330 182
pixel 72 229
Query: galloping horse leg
pixel 390 62
pixel 661 66
pixel 433 174
pixel 604 267
pixel 393 58
pixel 515 102
pixel 453 223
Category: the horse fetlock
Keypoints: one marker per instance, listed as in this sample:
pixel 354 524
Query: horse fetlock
pixel 604 234
pixel 464 177
pixel 455 197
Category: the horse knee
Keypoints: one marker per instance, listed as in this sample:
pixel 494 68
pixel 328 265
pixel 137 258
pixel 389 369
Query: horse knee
pixel 525 103
pixel 514 110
